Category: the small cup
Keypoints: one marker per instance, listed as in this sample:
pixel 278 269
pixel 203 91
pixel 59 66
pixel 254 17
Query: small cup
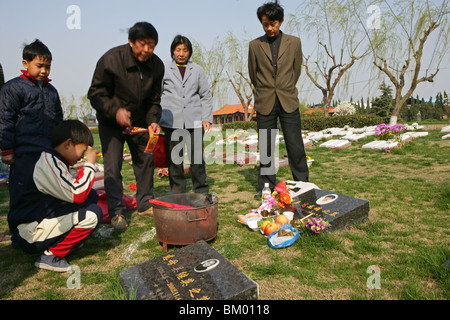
pixel 289 215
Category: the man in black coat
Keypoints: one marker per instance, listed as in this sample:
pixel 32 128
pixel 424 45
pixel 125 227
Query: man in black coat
pixel 125 92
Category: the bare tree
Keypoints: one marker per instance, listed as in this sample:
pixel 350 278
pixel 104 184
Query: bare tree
pixel 213 61
pixel 339 43
pixel 228 55
pixel 239 86
pixel 69 107
pixel 85 109
pixel 401 41
pixel 327 72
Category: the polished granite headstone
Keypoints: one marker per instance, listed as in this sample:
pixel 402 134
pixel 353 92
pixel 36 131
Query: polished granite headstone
pixel 338 209
pixel 194 272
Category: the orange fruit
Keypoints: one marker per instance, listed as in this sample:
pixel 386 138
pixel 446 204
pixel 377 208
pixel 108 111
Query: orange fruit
pixel 264 225
pixel 270 227
pixel 281 219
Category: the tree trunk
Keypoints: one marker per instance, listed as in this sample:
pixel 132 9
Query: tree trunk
pixel 327 98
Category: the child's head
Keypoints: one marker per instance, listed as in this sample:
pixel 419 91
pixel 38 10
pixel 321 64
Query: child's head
pixel 71 138
pixel 37 60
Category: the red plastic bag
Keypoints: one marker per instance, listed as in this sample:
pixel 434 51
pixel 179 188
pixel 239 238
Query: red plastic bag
pixel 159 154
pixel 130 203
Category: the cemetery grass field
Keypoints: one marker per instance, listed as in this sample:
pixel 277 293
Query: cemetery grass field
pixel 407 235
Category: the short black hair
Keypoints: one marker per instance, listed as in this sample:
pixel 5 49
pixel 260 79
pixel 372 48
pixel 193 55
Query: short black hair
pixel 36 49
pixel 142 30
pixel 75 130
pixel 179 39
pixel 273 10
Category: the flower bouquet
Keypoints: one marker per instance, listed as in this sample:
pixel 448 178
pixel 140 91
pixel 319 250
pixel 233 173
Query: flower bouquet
pixel 311 223
pixel 316 224
pixel 162 173
pixel 386 132
pixel 281 195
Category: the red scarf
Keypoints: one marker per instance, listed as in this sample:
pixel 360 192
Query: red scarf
pixel 25 75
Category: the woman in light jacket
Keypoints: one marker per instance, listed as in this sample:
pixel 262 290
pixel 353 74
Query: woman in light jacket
pixel 186 103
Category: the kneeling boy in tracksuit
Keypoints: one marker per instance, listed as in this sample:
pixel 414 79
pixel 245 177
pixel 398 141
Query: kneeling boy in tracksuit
pixel 58 211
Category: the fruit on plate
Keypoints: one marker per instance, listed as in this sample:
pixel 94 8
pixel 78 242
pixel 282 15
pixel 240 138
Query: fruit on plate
pixel 271 227
pixel 281 219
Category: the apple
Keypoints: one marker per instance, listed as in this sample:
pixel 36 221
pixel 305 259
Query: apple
pixel 271 227
pixel 281 219
pixel 264 224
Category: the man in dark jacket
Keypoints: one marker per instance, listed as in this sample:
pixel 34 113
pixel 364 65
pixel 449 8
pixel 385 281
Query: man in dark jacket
pixel 125 92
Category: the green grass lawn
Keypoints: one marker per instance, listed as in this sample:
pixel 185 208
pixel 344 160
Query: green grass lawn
pixel 407 235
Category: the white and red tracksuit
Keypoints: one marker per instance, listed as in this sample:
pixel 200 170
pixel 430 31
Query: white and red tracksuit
pixel 57 211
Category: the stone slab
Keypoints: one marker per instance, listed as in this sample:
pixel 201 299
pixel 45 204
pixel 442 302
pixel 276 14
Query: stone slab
pixel 335 131
pixel 445 129
pixel 127 157
pixel 315 136
pixel 340 210
pixel 378 145
pixel 242 158
pixel 415 135
pixel 354 136
pixel 194 272
pixel 3 182
pixel 336 144
pixel 307 143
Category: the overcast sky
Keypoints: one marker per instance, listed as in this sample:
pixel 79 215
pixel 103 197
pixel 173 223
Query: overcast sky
pixel 103 24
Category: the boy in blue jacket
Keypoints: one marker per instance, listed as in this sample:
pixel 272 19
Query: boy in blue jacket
pixel 58 210
pixel 30 109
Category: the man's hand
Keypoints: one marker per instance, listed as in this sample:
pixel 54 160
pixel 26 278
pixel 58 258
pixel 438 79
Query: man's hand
pixel 8 159
pixel 123 118
pixel 206 126
pixel 154 128
pixel 91 155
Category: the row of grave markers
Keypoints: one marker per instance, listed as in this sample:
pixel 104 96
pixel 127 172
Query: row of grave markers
pixel 337 138
pixel 347 135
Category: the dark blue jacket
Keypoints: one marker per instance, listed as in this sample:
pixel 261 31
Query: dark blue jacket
pixel 29 114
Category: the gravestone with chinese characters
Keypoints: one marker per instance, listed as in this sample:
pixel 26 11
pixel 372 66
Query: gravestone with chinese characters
pixel 194 272
pixel 338 209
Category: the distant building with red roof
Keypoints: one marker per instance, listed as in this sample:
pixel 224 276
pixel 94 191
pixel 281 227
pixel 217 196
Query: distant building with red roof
pixel 231 113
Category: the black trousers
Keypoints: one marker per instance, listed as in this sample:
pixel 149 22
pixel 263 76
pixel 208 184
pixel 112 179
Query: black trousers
pixel 113 142
pixel 175 142
pixel 291 127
